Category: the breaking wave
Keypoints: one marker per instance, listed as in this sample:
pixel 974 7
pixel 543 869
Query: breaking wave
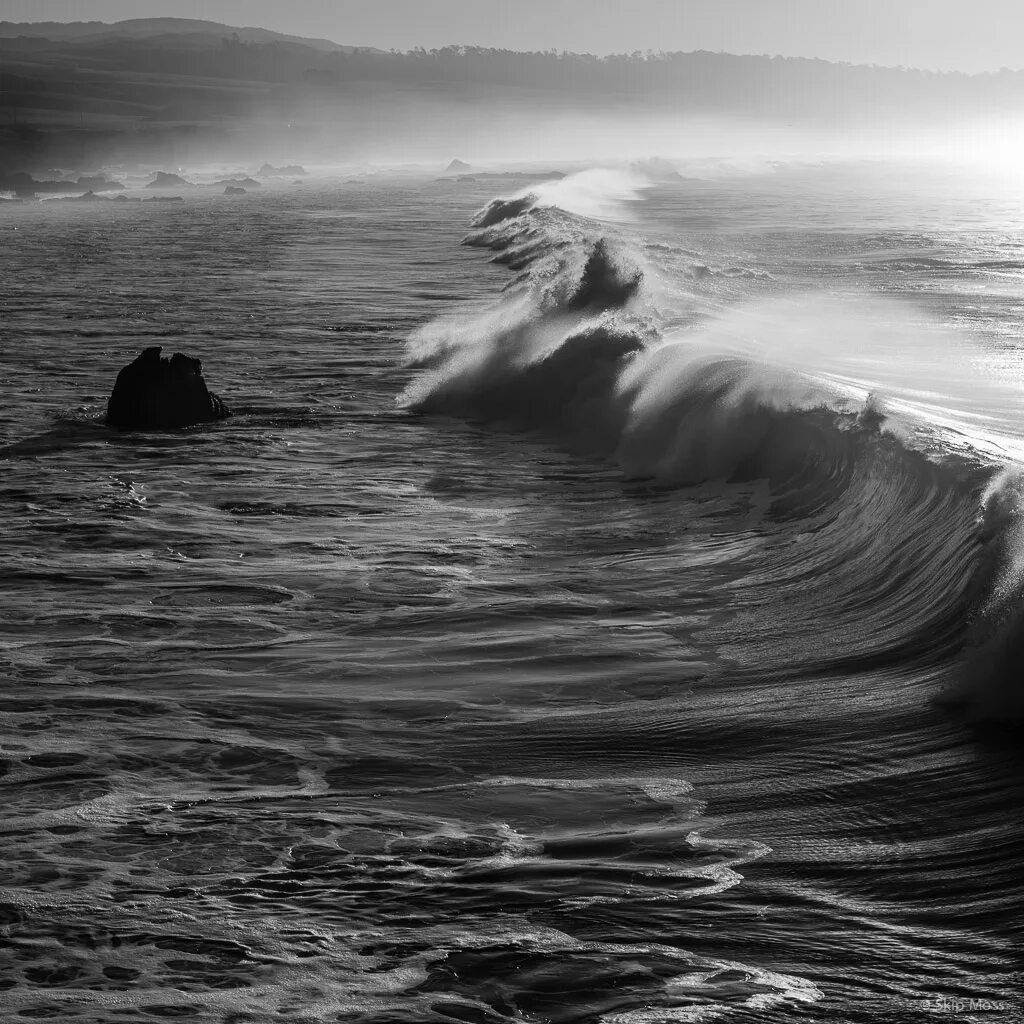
pixel 911 545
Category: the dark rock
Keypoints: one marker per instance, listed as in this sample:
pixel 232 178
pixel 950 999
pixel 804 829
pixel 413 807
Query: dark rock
pixel 457 167
pixel 233 190
pixel 163 199
pixel 152 393
pixel 165 180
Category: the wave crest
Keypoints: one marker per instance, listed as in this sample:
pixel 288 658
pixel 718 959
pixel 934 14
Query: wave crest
pixel 571 350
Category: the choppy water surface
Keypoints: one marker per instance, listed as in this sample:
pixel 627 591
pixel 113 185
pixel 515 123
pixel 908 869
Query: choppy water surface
pixel 556 637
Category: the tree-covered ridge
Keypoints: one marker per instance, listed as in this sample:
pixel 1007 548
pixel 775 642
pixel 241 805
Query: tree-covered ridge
pixel 136 80
pixel 717 82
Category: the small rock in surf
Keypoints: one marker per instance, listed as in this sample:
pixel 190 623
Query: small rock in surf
pixel 165 180
pixel 154 393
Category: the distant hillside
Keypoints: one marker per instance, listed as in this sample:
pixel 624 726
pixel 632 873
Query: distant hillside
pixel 162 89
pixel 141 28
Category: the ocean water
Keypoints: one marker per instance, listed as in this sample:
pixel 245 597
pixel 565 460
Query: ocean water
pixel 613 619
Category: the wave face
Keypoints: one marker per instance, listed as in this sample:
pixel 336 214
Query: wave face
pixel 929 535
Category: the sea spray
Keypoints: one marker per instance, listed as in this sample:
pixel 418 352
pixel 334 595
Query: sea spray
pixel 783 389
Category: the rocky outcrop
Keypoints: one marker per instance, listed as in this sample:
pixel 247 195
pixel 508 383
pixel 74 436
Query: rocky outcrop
pixel 457 167
pixel 154 393
pixel 165 180
pixel 234 190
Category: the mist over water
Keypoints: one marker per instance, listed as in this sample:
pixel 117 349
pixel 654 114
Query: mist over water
pixel 601 607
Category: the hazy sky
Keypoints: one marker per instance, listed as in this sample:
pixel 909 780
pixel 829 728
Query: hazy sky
pixel 968 35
